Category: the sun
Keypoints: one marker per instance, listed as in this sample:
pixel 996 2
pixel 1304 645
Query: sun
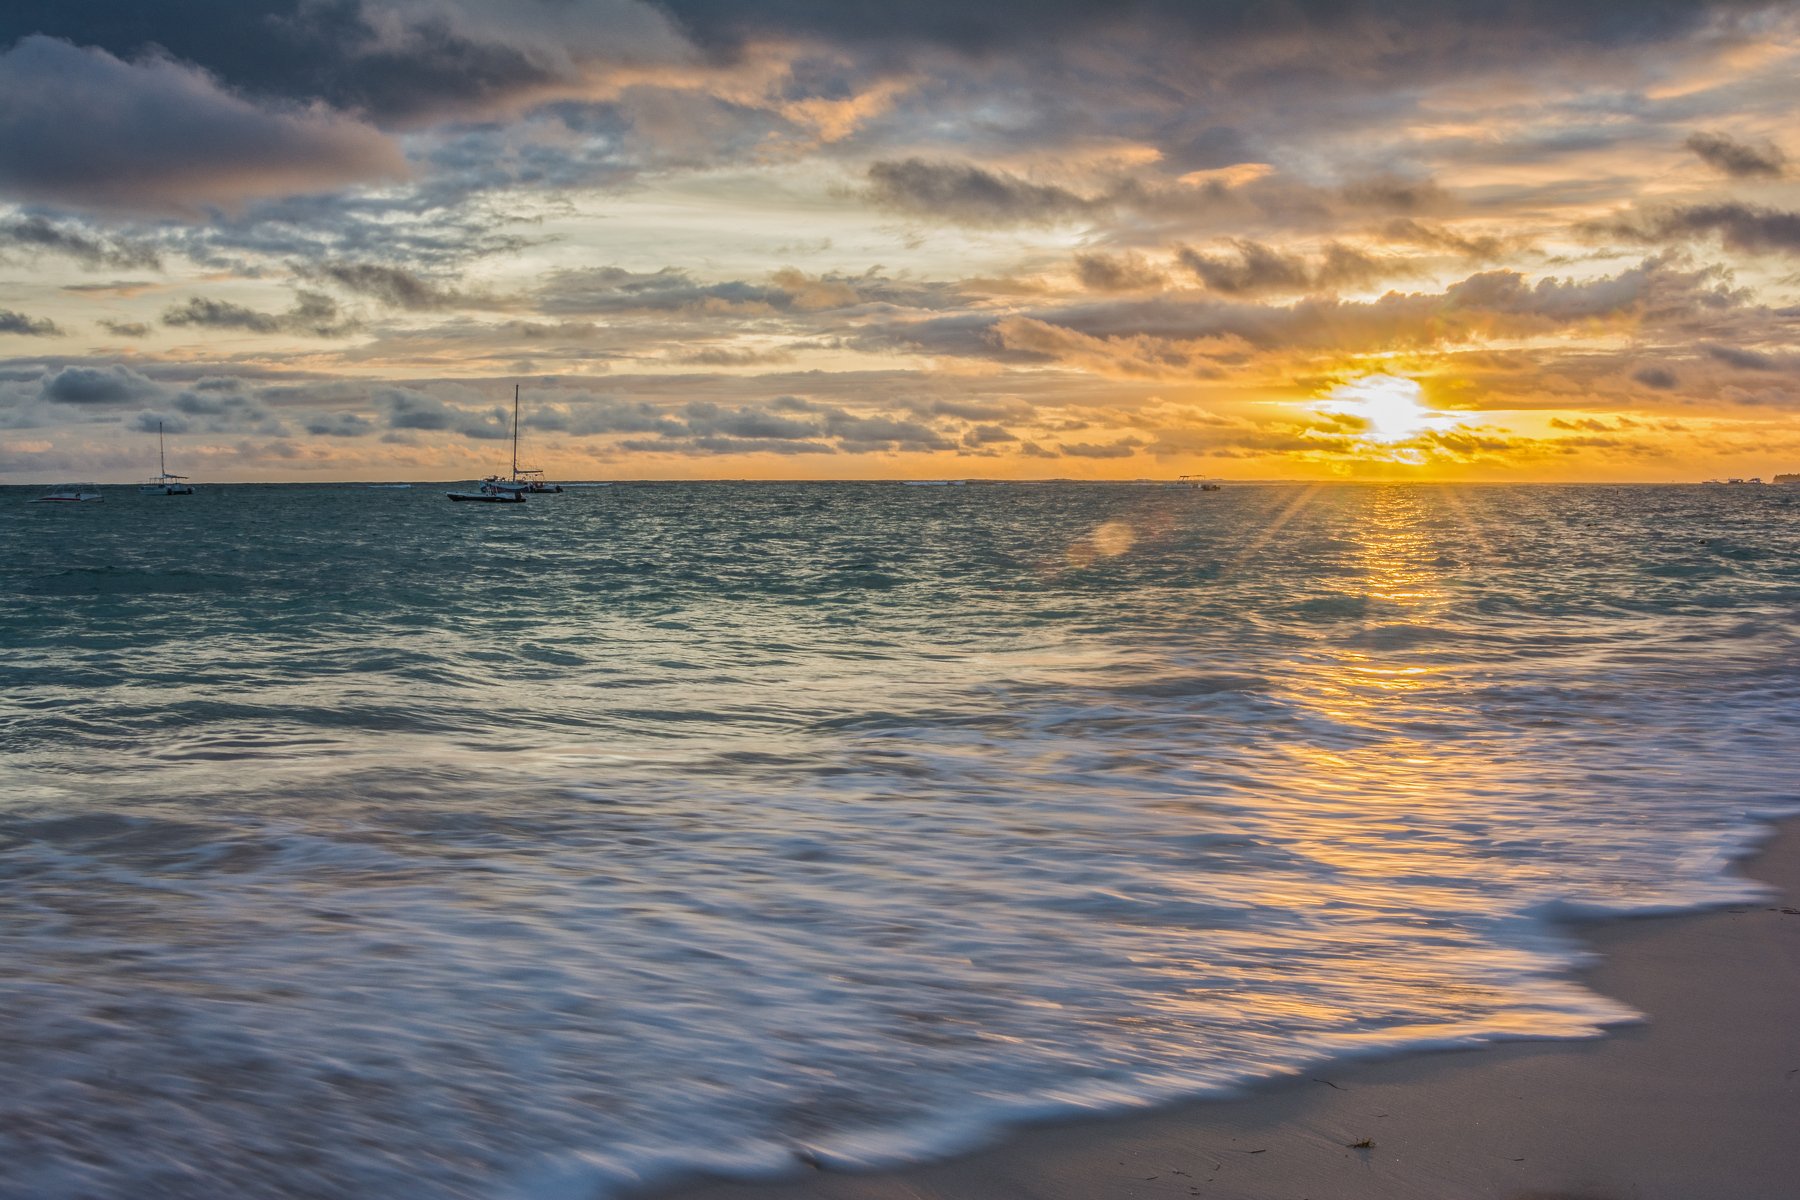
pixel 1389 403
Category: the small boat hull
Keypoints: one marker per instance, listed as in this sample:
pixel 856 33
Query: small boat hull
pixel 488 497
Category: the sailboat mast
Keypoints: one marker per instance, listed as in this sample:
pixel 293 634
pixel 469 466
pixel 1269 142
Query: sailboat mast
pixel 515 431
pixel 162 464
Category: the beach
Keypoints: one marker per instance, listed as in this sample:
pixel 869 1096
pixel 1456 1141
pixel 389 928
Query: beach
pixel 1702 1099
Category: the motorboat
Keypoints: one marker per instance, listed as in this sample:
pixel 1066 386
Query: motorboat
pixel 165 484
pixel 493 490
pixel 69 495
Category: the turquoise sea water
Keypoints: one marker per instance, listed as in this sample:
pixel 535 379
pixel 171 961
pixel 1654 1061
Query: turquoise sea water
pixel 354 843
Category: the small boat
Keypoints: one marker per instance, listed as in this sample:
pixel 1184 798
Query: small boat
pixel 70 495
pixel 1201 482
pixel 493 490
pixel 529 479
pixel 165 484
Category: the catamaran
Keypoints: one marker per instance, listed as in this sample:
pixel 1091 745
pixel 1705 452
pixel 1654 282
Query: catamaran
pixel 495 490
pixel 165 484
pixel 530 479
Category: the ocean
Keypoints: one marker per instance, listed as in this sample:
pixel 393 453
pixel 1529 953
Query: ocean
pixel 354 843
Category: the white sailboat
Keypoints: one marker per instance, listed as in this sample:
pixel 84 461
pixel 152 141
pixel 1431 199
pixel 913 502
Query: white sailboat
pixel 493 489
pixel 530 479
pixel 165 484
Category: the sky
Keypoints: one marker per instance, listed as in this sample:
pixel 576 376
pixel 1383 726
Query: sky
pixel 1455 240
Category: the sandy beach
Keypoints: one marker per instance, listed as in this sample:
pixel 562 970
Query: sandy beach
pixel 1701 1100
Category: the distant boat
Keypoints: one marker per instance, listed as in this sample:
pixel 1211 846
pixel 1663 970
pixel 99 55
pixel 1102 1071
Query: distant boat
pixel 493 490
pixel 68 495
pixel 529 479
pixel 1201 482
pixel 165 484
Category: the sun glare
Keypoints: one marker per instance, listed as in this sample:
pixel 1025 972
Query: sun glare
pixel 1389 403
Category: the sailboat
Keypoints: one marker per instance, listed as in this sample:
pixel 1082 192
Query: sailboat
pixel 165 484
pixel 493 489
pixel 530 479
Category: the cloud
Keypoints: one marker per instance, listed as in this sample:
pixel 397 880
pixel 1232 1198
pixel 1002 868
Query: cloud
pixel 971 195
pixel 35 234
pixel 400 62
pixel 1117 273
pixel 1123 448
pixel 613 289
pixel 1476 248
pixel 1743 360
pixel 1255 268
pixel 130 329
pixel 396 287
pixel 313 315
pixel 19 323
pixel 80 127
pixel 339 425
pixel 1401 31
pixel 1747 228
pixel 1656 377
pixel 1740 160
pixel 1191 336
pixel 97 386
pixel 151 422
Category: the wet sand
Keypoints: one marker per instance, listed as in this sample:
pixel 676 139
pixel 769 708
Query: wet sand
pixel 1700 1102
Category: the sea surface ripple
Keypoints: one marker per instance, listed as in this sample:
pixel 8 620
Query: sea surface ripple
pixel 354 843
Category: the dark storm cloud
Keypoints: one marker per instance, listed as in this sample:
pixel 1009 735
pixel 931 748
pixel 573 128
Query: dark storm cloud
pixel 313 315
pixel 1746 228
pixel 1738 159
pixel 83 128
pixel 26 326
pixel 35 234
